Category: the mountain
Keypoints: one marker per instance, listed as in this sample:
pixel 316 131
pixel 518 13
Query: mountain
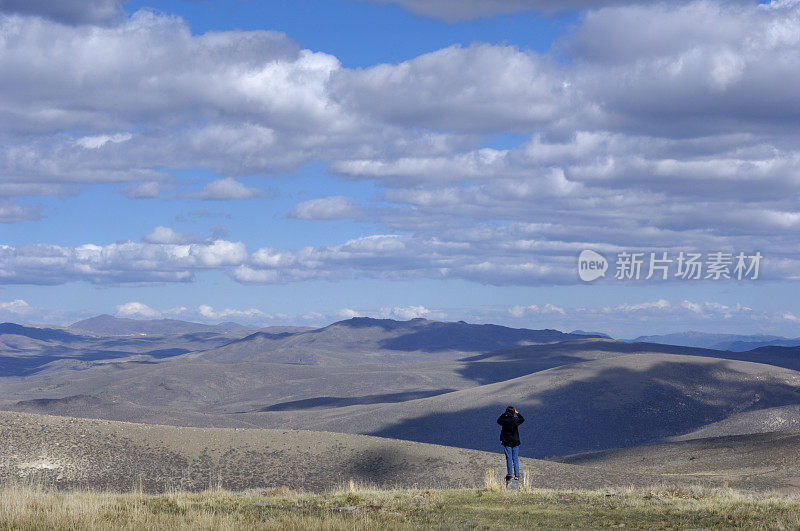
pixel 590 334
pixel 428 381
pixel 732 342
pixel 39 333
pixel 749 344
pixel 108 325
pixel 578 395
pixel 367 340
pixel 614 402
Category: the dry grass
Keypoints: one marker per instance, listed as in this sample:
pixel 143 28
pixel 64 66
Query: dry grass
pixel 494 481
pixel 362 506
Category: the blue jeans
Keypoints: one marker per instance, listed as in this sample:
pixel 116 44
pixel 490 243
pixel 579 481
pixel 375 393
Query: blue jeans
pixel 512 460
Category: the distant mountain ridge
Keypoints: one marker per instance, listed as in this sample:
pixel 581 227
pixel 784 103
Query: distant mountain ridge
pixel 367 340
pixel 591 334
pixel 730 342
pixel 108 325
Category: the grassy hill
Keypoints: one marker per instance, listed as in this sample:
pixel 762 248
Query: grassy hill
pixel 671 508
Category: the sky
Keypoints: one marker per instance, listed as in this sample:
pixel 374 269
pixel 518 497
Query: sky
pixel 272 162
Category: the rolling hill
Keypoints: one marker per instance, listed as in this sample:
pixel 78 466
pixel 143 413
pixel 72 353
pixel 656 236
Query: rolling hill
pixel 615 402
pixel 414 380
pixel 367 340
pixel 74 453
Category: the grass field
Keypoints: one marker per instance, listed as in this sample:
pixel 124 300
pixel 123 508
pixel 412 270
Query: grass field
pixel 25 507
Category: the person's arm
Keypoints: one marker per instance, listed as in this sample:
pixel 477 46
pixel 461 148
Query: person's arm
pixel 519 416
pixel 500 420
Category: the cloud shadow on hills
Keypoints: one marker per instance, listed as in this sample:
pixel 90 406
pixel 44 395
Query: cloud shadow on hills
pixel 613 408
pixel 324 402
pixel 514 362
pixel 467 337
pixel 29 365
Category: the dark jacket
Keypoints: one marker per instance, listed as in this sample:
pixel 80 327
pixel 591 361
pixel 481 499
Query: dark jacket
pixel 509 435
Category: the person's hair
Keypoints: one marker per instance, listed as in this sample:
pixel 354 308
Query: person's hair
pixel 510 410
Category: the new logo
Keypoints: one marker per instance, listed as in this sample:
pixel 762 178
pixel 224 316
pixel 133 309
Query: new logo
pixel 591 265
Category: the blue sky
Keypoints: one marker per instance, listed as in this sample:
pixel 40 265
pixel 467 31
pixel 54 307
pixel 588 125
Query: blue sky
pixel 304 162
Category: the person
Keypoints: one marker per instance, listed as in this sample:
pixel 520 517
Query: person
pixel 509 438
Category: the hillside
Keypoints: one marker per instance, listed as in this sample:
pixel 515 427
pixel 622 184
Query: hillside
pixel 615 402
pixel 759 461
pixel 70 453
pixel 408 380
pixel 107 455
pixel 367 340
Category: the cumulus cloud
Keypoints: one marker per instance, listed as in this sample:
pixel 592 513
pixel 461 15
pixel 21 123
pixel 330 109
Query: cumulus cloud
pixel 660 304
pixel 335 207
pixel 17 306
pixel 116 263
pixel 248 275
pixel 98 141
pixel 67 11
pixel 228 188
pixel 404 313
pixel 137 309
pixel 166 235
pixel 668 127
pixel 469 9
pixel 701 68
pixel 210 313
pixel 13 211
pixel 348 313
pixel 478 88
pixel 145 190
pixel 519 310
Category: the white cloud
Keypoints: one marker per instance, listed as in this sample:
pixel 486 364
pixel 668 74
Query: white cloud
pixel 166 235
pixel 209 313
pixel 218 253
pixel 20 189
pixel 347 313
pixel 98 141
pixel 660 304
pixel 478 88
pixel 228 188
pixel 692 306
pixel 13 212
pixel 452 11
pixel 519 310
pixel 137 309
pixel 335 207
pixel 404 313
pixel 17 306
pixel 145 190
pixel 67 11
pixel 789 316
pixel 668 127
pixel 248 275
pixel 116 263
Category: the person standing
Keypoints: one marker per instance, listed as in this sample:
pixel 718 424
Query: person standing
pixel 509 438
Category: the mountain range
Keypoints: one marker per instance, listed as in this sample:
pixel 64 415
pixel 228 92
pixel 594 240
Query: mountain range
pixel 420 380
